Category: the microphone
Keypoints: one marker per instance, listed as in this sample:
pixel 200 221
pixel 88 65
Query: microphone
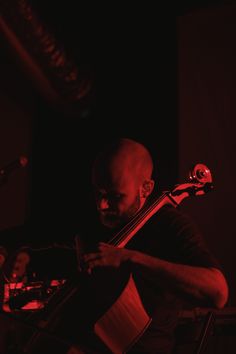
pixel 21 161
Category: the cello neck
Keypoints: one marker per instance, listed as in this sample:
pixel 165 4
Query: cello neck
pixel 200 182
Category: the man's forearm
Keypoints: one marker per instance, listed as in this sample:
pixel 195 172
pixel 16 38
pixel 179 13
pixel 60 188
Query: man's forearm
pixel 204 284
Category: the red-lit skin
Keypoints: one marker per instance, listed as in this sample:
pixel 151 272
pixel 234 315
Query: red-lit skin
pixel 2 259
pixel 23 161
pixel 19 266
pixel 118 200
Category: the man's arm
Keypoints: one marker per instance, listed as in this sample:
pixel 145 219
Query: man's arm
pixel 206 285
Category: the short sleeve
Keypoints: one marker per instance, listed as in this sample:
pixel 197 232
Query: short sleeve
pixel 190 246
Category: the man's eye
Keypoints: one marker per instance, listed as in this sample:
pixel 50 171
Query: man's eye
pixel 109 196
pixel 117 196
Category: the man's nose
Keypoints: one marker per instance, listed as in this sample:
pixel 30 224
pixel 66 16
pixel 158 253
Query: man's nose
pixel 103 204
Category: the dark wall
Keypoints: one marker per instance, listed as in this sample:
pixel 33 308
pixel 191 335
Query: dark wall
pixel 207 76
pixel 132 58
pixel 16 112
pixel 134 95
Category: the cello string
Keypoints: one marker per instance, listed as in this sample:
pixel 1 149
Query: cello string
pixel 140 216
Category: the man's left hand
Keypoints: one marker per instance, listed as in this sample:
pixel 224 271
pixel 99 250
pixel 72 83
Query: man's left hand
pixel 107 256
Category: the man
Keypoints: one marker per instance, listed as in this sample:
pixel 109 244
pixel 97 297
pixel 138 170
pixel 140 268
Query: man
pixel 167 257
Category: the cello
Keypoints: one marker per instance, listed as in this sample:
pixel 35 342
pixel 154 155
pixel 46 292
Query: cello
pixel 123 323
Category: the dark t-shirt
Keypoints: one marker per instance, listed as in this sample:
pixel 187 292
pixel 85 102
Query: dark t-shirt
pixel 172 236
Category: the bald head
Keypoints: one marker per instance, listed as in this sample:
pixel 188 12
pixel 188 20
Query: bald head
pixel 123 156
pixel 122 181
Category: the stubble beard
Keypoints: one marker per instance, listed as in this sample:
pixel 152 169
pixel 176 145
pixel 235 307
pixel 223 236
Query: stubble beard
pixel 113 220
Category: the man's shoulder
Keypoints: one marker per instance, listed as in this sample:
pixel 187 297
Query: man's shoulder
pixel 169 215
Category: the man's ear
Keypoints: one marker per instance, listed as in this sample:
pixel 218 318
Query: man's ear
pixel 147 188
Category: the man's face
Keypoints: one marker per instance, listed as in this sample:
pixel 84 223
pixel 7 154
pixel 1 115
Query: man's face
pixel 118 199
pixel 20 264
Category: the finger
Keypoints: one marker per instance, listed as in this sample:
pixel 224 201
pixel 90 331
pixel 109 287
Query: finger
pixel 93 264
pixel 102 246
pixel 91 256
